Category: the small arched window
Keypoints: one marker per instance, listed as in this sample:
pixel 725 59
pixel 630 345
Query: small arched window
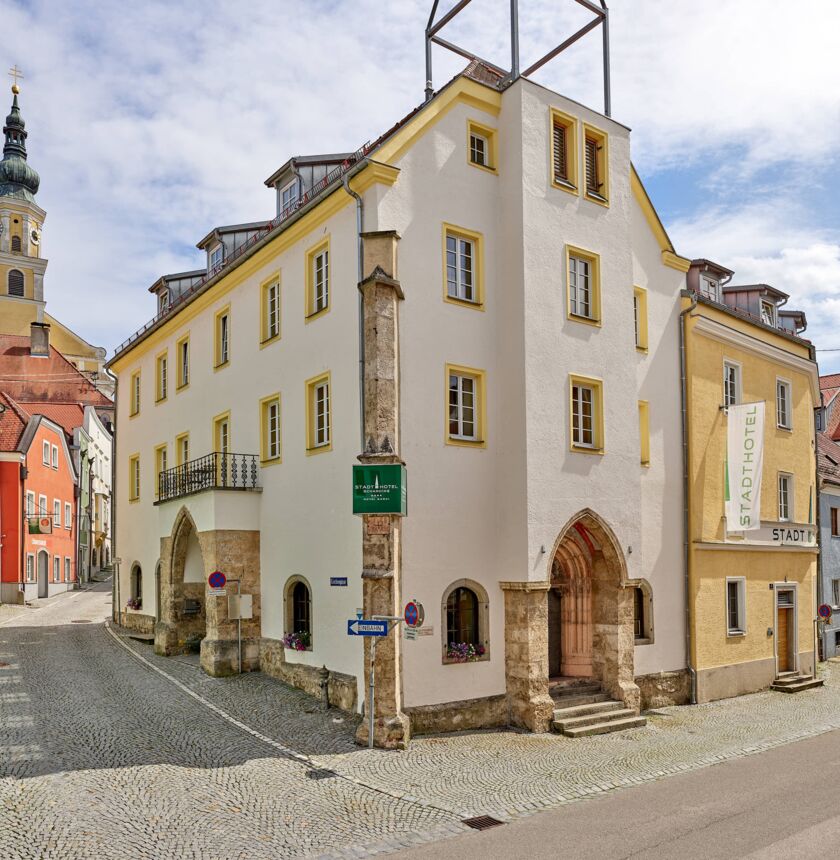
pixel 16 244
pixel 15 283
pixel 136 600
pixel 462 617
pixel 301 609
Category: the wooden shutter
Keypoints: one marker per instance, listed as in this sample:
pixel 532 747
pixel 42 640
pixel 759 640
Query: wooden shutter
pixel 561 170
pixel 591 153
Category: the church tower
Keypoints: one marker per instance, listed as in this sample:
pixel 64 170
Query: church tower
pixel 22 264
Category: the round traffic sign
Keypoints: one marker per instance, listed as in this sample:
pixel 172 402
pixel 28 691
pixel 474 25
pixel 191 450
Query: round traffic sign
pixel 824 611
pixel 413 614
pixel 216 579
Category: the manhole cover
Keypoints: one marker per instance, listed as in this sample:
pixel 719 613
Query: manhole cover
pixel 482 822
pixel 321 773
pixel 81 621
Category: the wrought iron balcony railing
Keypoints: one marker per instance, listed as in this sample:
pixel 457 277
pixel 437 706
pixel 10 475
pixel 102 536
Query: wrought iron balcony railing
pixel 216 471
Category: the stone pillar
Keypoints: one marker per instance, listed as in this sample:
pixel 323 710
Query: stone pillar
pixel 381 570
pixel 526 654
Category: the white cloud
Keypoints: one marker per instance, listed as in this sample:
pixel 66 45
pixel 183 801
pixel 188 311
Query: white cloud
pixel 150 122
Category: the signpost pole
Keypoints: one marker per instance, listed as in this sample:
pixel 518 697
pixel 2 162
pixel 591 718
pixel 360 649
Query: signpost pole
pixel 372 673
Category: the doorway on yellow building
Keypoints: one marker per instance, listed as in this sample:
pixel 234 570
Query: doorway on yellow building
pixel 785 629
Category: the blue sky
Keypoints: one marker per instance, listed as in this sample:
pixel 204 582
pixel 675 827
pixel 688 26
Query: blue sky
pixel 151 122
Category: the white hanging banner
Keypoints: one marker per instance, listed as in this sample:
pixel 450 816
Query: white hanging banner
pixel 744 458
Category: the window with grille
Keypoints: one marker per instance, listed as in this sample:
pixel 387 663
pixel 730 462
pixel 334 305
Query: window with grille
pixel 583 416
pixel 460 268
pixel 580 287
pixel 462 617
pixel 731 384
pixel 16 244
pixel 785 497
pixel 735 605
pixel 783 404
pixel 16 283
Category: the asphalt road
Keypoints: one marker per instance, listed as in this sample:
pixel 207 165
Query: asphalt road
pixel 782 804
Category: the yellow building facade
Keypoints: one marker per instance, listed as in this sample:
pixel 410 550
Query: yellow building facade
pixel 751 594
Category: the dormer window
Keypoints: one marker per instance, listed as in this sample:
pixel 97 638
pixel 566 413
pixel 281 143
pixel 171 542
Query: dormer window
pixel 163 301
pixel 710 288
pixel 289 196
pixel 216 257
pixel 768 313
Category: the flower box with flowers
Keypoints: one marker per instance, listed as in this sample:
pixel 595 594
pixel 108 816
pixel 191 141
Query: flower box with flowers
pixel 464 652
pixel 297 641
pixel 134 603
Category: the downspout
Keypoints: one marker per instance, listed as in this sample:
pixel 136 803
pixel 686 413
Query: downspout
pixel 359 264
pixel 684 412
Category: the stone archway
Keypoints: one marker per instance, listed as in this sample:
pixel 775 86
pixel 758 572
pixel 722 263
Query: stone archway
pixel 182 611
pixel 588 570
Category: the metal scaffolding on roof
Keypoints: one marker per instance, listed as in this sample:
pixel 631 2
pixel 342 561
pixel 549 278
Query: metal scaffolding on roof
pixel 433 28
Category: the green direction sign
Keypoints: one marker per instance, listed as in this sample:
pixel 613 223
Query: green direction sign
pixel 379 490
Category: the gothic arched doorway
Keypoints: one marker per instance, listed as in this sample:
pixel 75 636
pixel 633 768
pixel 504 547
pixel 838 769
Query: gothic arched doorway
pixel 590 609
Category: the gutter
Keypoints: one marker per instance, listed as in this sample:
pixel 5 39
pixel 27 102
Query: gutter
pixel 360 214
pixel 684 414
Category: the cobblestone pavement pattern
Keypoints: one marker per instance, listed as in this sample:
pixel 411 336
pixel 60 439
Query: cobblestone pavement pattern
pixel 104 757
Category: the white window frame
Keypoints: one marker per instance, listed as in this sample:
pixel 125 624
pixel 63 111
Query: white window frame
pixel 43 509
pixel 67 568
pixel 184 363
pixel 766 303
pixel 784 485
pixel 163 374
pixel 581 296
pixel 320 281
pixel 460 409
pixel 215 257
pixel 163 301
pixel 736 367
pixel 483 151
pixel 224 338
pixel 272 310
pixel 68 515
pixel 45 453
pixel 784 421
pixel 30 503
pixel 578 426
pixel 30 567
pixel 56 568
pixel 272 429
pixel 461 268
pixel 56 513
pixel 55 456
pixel 835 592
pixel 710 288
pixel 321 414
pixel 288 196
pixel 741 582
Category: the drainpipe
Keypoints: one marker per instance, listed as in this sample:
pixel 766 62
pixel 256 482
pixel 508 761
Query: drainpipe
pixel 359 264
pixel 684 407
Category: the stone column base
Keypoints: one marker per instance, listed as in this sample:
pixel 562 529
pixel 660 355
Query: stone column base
pixel 220 657
pixel 391 733
pixel 166 639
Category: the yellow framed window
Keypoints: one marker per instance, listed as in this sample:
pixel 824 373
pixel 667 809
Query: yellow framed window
pixel 481 146
pixel 270 310
pixel 596 165
pixel 564 151
pixel 586 413
pixel 161 376
pixel 135 393
pixel 583 270
pixel 183 353
pixel 221 433
pixel 318 280
pixel 221 350
pixel 318 414
pixel 463 266
pixel 134 477
pixel 270 450
pixel 182 449
pixel 644 432
pixel 640 318
pixel 466 406
pixel 161 465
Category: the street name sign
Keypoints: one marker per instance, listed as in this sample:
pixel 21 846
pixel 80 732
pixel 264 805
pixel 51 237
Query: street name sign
pixel 367 627
pixel 338 580
pixel 380 489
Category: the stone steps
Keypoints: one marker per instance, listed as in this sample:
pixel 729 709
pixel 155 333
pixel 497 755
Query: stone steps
pixel 595 719
pixel 568 701
pixel 792 682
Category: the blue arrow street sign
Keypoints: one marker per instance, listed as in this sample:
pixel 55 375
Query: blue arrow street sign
pixel 367 627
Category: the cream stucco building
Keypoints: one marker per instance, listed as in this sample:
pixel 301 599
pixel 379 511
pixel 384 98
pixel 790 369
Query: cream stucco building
pixel 486 295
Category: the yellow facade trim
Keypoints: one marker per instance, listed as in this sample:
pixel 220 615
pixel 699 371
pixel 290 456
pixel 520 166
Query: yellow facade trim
pixel 310 315
pixel 264 405
pixel 480 377
pixel 266 337
pixel 597 386
pixel 644 432
pixel 489 134
pixel 641 311
pixel 478 263
pixel 675 261
pixel 220 361
pixel 309 387
pixel 570 123
pixel 594 261
pixel 374 173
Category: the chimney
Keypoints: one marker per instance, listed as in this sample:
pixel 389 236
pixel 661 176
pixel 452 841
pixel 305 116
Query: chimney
pixel 40 339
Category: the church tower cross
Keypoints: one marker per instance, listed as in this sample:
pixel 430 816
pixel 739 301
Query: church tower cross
pixel 15 73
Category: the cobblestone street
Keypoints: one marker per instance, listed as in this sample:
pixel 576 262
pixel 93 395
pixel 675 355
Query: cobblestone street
pixel 112 752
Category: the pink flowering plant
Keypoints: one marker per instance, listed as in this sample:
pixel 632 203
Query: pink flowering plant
pixel 134 603
pixel 464 652
pixel 297 641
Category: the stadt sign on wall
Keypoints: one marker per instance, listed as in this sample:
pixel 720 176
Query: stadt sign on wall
pixel 380 489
